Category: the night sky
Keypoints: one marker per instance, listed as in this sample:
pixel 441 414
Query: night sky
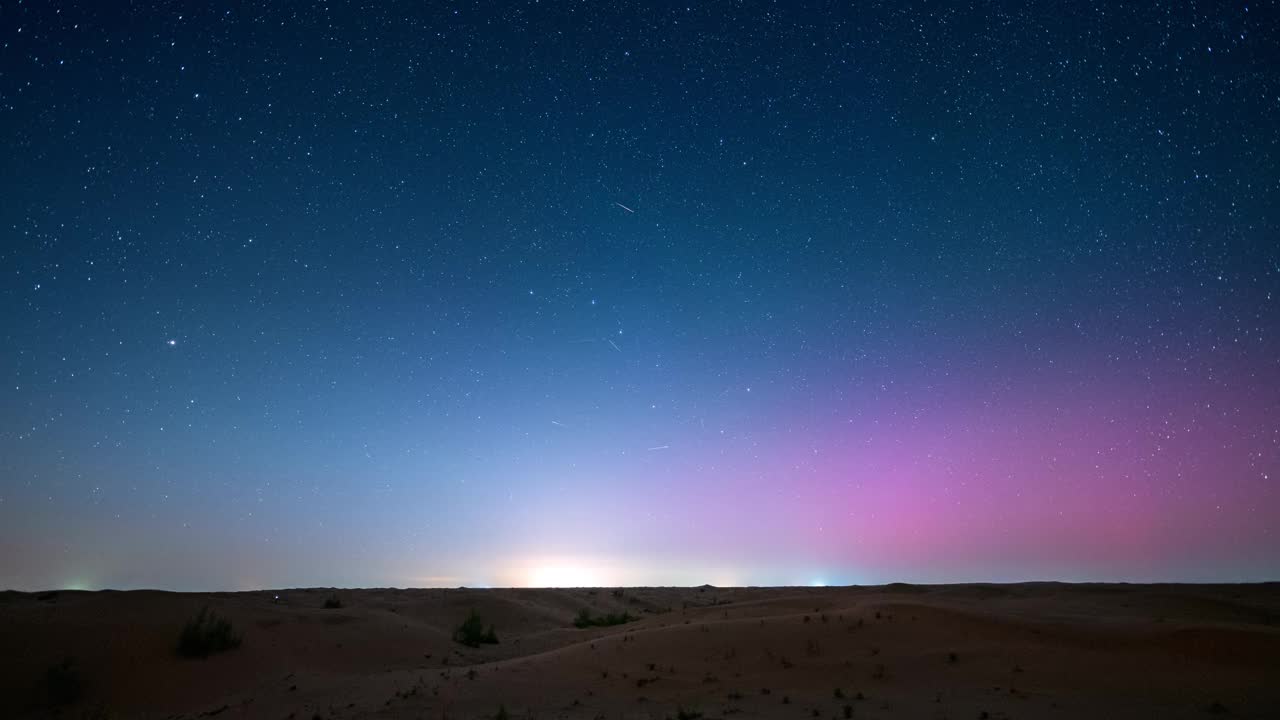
pixel 428 294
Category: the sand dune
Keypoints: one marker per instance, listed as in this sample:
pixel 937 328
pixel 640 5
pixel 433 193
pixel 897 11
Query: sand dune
pixel 1037 650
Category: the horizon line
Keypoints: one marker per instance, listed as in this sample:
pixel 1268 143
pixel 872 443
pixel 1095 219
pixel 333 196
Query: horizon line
pixel 831 586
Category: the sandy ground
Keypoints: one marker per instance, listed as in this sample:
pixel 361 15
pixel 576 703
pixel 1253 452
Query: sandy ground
pixel 1041 650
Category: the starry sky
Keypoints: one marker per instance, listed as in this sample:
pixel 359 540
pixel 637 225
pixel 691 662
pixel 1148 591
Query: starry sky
pixel 577 293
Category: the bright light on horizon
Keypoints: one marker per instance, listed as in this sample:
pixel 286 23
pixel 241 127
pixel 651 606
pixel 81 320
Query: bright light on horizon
pixel 561 576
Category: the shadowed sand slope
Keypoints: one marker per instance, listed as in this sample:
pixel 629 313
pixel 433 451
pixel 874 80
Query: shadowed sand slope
pixel 1037 650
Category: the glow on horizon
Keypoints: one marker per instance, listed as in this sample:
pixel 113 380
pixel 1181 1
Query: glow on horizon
pixel 568 571
pixel 566 576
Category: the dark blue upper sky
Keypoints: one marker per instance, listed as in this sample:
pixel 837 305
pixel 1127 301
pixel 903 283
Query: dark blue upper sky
pixel 529 293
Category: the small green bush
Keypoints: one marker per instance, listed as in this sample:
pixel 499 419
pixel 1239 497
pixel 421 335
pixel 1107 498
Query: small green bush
pixel 333 602
pixel 585 619
pixel 472 632
pixel 206 634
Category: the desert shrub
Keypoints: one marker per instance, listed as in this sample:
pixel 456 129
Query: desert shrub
pixel 64 681
pixel 472 632
pixel 333 602
pixel 206 634
pixel 682 714
pixel 585 619
pixel 502 713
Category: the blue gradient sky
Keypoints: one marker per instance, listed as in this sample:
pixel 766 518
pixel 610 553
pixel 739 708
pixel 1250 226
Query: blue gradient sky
pixel 410 295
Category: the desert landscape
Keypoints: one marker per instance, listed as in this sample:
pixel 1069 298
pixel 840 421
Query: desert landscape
pixel 1035 650
pixel 691 338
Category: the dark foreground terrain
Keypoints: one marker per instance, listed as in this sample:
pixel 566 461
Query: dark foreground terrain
pixel 1041 650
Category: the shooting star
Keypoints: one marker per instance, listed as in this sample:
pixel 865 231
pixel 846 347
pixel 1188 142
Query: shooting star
pixel 614 344
pixel 624 207
pixel 660 447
